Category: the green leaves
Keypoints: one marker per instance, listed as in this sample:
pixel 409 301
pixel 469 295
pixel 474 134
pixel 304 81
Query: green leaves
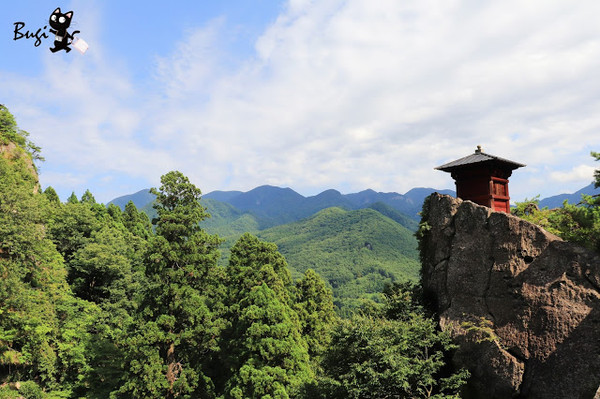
pixel 178 207
pixel 356 252
pixel 264 347
pixel 314 306
pixel 378 357
pixel 596 155
pixel 578 223
pixel 174 337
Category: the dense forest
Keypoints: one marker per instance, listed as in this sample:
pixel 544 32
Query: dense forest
pixel 100 302
pixel 578 222
pixel 356 251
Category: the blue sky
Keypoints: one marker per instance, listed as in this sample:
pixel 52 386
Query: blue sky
pixel 343 94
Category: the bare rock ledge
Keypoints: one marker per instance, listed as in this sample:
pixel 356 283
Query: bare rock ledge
pixel 523 304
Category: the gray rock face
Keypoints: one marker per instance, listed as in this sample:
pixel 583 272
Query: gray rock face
pixel 523 305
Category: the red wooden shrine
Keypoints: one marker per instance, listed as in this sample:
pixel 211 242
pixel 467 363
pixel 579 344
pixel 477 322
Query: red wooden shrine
pixel 483 179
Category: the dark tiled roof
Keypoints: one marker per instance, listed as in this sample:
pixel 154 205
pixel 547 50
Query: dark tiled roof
pixel 478 157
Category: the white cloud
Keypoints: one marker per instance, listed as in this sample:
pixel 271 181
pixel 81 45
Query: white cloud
pixel 375 94
pixel 580 173
pixel 349 94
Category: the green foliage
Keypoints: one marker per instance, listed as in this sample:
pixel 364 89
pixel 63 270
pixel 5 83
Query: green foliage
pixel 104 267
pixel 115 213
pixel 530 211
pixel 377 357
pixel 392 352
pixel 10 133
pixel 356 252
pixel 266 353
pixel 52 196
pixel 88 198
pixel 72 199
pixel 314 306
pixel 71 226
pixel 32 278
pixel 136 222
pixel 175 336
pixel 43 327
pixel 422 234
pixel 270 355
pixel 578 223
pixel 482 330
pixel 253 262
pixel 402 300
pixel 596 155
pixel 30 390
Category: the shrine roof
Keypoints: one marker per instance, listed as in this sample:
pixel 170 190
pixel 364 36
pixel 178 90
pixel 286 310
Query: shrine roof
pixel 479 157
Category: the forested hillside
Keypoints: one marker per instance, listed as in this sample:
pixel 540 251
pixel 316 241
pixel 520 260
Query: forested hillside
pixel 356 252
pixel 104 302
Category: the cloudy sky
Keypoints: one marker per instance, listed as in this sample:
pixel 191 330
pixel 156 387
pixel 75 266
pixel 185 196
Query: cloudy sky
pixel 342 94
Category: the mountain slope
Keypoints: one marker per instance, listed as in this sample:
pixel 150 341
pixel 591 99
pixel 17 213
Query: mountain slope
pixel 140 199
pixel 395 215
pixel 283 205
pixel 272 206
pixel 223 196
pixel 557 200
pixel 356 252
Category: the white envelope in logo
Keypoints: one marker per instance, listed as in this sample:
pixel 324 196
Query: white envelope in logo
pixel 80 45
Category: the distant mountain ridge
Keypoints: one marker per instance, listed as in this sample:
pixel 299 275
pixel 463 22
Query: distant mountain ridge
pixel 140 199
pixel 276 205
pixel 556 201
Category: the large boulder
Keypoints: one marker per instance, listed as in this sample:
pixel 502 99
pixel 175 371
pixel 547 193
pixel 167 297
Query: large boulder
pixel 523 305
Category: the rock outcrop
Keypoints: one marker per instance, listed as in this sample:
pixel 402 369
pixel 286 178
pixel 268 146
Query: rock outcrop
pixel 15 153
pixel 523 305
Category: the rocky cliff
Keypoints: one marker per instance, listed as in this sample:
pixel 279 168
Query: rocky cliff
pixel 523 305
pixel 17 154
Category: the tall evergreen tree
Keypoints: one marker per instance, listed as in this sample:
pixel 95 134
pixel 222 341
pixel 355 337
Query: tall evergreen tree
pixel 115 213
pixel 314 305
pixel 177 333
pixel 51 195
pixel 266 354
pixel 72 198
pixel 88 198
pixel 136 222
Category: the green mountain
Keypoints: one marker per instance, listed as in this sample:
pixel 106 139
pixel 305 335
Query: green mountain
pixel 357 252
pixel 272 206
pixel 395 215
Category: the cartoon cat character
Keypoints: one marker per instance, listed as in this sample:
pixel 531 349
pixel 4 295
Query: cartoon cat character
pixel 60 23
